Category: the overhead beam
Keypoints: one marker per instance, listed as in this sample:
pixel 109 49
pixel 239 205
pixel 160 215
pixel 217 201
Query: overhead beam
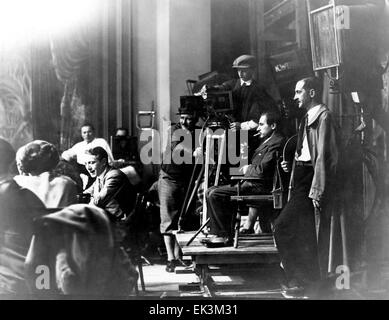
pixel 278 13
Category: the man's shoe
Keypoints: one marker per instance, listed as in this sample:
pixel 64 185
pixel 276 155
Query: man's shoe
pixel 170 266
pixel 217 242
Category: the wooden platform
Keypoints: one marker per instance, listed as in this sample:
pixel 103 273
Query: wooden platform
pixel 251 251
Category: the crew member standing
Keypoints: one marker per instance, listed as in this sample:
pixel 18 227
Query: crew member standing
pixel 176 170
pixel 316 159
pixel 250 99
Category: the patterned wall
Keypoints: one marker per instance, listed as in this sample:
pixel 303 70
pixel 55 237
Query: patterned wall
pixel 15 97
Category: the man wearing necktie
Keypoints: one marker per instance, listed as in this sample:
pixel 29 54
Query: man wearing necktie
pixel 315 165
pixel 111 191
pixel 262 166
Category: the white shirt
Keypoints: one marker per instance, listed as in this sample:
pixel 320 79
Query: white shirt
pixel 305 154
pixel 247 83
pixel 247 125
pixel 78 150
pixel 97 187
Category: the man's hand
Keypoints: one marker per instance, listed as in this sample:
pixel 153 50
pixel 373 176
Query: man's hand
pixel 235 126
pixel 244 169
pixel 316 204
pixel 202 92
pixel 285 165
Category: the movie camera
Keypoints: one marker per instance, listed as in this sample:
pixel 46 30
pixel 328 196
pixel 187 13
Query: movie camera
pixel 214 107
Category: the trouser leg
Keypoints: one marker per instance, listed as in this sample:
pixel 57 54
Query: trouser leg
pixel 220 209
pixel 295 233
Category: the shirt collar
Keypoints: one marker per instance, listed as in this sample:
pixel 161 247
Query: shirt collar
pixel 268 138
pixel 101 176
pixel 247 83
pixel 311 113
pixel 90 141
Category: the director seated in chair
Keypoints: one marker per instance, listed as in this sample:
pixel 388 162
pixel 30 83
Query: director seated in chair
pixel 265 206
pixel 221 208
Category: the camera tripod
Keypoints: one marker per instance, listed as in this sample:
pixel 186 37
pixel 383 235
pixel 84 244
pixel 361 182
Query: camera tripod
pixel 205 173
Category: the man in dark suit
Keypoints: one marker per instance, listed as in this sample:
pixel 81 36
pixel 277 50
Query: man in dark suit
pixel 111 191
pixel 221 210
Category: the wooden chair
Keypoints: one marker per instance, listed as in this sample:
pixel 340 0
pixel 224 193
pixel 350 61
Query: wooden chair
pixel 132 243
pixel 275 200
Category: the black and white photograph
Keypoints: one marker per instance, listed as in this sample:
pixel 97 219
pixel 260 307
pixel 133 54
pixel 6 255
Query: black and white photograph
pixel 192 156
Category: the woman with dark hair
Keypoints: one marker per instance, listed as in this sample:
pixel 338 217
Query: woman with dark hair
pixel 18 208
pixel 36 162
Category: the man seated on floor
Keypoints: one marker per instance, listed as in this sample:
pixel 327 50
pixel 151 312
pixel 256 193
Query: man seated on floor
pixel 77 152
pixel 220 208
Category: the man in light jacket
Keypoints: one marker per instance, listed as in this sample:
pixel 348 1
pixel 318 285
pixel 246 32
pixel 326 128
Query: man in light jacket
pixel 315 166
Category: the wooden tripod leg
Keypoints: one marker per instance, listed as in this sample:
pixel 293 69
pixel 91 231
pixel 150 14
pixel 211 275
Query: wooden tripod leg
pixel 186 203
pixel 198 232
pixel 237 220
pixel 220 158
pixel 196 188
pixel 206 173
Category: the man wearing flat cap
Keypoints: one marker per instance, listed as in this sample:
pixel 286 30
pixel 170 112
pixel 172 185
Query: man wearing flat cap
pixel 250 99
pixel 176 170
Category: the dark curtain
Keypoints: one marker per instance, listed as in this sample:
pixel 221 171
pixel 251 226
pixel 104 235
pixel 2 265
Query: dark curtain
pixel 46 95
pixel 69 55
